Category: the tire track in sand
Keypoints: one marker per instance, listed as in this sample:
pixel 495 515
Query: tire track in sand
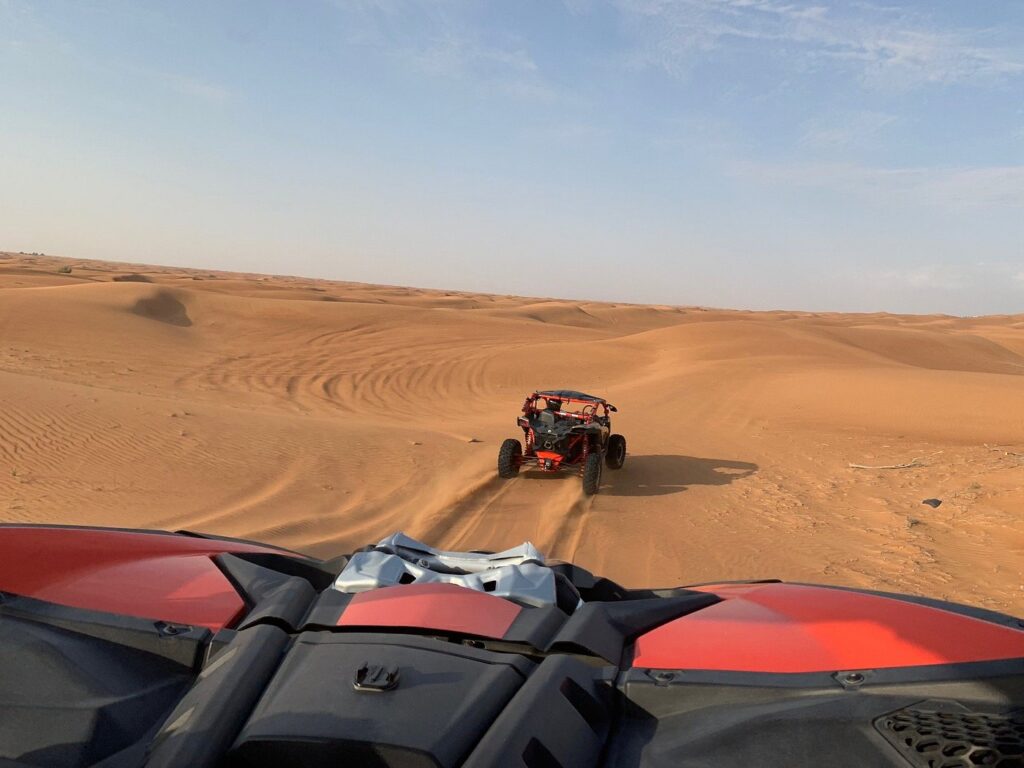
pixel 467 512
pixel 568 535
pixel 552 512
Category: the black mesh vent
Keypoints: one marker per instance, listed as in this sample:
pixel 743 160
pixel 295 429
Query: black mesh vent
pixel 937 734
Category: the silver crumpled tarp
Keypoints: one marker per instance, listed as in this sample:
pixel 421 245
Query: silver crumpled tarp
pixel 518 574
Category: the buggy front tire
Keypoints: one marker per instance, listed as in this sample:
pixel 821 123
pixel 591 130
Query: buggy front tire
pixel 592 474
pixel 509 456
pixel 615 453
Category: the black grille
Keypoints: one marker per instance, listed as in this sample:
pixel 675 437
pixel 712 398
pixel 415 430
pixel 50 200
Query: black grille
pixel 944 734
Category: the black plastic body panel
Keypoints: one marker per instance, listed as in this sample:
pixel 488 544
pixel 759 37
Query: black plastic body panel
pixel 561 717
pixel 312 714
pixel 729 720
pixel 81 698
pixel 178 643
pixel 272 597
pixel 201 728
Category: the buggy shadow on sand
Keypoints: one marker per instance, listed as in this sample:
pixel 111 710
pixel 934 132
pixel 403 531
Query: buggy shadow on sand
pixel 572 432
pixel 666 474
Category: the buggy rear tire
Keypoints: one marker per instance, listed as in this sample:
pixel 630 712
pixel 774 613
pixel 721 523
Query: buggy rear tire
pixel 509 454
pixel 592 474
pixel 615 453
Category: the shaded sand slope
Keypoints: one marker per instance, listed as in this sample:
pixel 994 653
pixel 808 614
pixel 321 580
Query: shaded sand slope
pixel 323 415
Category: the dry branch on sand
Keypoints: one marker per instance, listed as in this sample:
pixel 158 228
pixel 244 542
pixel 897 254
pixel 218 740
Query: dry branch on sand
pixel 1003 451
pixel 908 465
pixel 915 462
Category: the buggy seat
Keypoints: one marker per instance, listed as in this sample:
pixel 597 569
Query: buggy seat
pixel 546 418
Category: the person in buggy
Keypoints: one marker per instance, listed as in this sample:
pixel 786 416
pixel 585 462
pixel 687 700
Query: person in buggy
pixel 552 411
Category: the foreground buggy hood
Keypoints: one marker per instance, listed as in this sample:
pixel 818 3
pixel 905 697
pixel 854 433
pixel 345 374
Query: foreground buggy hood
pixel 128 648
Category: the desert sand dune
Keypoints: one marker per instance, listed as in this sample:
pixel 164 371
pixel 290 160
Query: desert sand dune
pixel 322 416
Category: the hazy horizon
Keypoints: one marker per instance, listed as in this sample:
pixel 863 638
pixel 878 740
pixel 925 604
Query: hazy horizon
pixel 469 291
pixel 735 153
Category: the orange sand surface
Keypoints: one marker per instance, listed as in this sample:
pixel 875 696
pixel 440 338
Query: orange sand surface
pixel 322 416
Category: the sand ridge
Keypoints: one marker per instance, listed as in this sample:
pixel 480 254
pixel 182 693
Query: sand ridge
pixel 323 415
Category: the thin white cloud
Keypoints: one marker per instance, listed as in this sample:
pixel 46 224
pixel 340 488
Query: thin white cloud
pixel 198 89
pixel 945 284
pixel 22 33
pixel 529 90
pixel 996 186
pixel 463 56
pixel 569 133
pixel 844 130
pixel 941 277
pixel 455 54
pixel 885 47
pixel 436 38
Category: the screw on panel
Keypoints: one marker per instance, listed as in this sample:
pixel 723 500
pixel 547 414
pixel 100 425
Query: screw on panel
pixel 170 630
pixel 851 679
pixel 661 676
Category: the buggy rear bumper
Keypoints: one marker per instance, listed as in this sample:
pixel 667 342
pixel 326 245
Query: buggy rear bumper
pixel 547 461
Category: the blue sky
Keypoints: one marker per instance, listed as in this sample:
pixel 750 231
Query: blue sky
pixel 743 153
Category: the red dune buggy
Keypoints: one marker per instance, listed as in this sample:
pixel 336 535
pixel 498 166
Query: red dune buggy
pixel 572 430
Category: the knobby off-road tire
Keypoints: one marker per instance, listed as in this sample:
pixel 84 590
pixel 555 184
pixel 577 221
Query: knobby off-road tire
pixel 508 458
pixel 615 455
pixel 592 474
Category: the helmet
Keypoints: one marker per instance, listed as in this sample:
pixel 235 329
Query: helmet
pixel 553 404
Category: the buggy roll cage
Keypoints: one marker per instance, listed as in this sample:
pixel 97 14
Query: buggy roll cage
pixel 530 404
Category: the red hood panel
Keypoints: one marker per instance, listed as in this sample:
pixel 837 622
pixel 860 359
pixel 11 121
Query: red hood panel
pixel 153 576
pixel 796 628
pixel 441 607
